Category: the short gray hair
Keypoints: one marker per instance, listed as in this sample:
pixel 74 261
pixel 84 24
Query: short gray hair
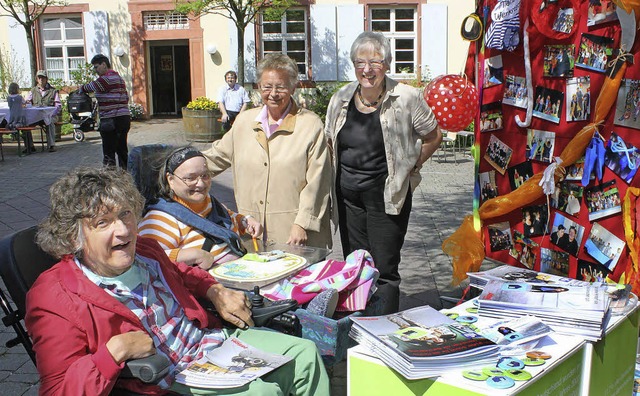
pixel 375 41
pixel 81 194
pixel 279 61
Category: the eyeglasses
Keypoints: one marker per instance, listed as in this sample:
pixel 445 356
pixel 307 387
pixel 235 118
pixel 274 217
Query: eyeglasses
pixel 373 63
pixel 192 181
pixel 278 89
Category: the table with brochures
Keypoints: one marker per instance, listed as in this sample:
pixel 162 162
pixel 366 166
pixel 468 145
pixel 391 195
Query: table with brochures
pixel 576 367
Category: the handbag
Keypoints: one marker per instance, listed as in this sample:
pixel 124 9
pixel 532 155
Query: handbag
pixel 107 125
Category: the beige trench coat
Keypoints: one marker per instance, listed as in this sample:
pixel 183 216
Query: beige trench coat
pixel 282 180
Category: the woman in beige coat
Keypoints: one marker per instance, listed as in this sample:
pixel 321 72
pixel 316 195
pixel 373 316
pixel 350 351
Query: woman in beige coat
pixel 280 161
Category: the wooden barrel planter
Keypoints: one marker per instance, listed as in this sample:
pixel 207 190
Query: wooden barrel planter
pixel 201 125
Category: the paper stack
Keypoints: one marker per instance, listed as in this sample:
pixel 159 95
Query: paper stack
pixel 422 342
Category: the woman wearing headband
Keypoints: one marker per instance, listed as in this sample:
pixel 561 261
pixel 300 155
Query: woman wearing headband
pixel 188 222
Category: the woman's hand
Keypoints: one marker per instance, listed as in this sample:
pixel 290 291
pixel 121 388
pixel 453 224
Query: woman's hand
pixel 297 236
pixel 195 256
pixel 232 305
pixel 253 228
pixel 131 345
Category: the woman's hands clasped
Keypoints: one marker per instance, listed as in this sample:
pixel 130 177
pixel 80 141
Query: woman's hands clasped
pixel 131 345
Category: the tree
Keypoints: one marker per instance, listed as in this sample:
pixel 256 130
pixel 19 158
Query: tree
pixel 241 12
pixel 26 13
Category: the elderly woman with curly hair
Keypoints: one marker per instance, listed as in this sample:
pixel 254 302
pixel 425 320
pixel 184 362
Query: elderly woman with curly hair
pixel 115 296
pixel 280 161
pixel 380 132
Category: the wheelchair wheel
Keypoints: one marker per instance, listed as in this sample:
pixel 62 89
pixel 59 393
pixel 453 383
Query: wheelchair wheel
pixel 78 135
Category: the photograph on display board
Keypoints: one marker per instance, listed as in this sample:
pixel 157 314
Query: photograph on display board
pixel 567 198
pixel 493 71
pixel 535 220
pixel 575 171
pixel 524 250
pixel 515 91
pixel 591 272
pixel 491 117
pixel 601 11
pixel 540 145
pixel 602 200
pixel 498 154
pixel 603 246
pixel 623 159
pixel 503 33
pixel 554 262
pixel 628 104
pixel 566 234
pixel 558 60
pixel 578 99
pixel 564 21
pixel 593 52
pixel 500 236
pixel 518 174
pixel 488 186
pixel 548 104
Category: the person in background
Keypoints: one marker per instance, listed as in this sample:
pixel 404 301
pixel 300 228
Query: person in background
pixel 16 104
pixel 113 108
pixel 280 161
pixel 232 99
pixel 116 296
pixel 43 94
pixel 380 133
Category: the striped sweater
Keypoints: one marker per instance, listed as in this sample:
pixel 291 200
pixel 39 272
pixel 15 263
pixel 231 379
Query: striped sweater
pixel 174 235
pixel 111 94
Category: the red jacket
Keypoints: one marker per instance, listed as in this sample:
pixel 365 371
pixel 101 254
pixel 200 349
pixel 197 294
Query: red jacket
pixel 70 320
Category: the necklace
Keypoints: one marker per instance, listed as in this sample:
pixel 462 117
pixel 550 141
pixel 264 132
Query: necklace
pixel 372 104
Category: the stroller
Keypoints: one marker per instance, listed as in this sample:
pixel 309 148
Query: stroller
pixel 82 112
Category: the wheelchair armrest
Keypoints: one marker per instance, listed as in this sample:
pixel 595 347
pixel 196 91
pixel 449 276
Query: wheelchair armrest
pixel 149 370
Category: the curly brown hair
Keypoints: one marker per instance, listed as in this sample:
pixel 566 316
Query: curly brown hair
pixel 84 193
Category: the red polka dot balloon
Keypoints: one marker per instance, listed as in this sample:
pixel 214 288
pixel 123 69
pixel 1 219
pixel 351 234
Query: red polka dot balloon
pixel 454 101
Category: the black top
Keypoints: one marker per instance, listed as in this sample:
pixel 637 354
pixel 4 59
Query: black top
pixel 361 153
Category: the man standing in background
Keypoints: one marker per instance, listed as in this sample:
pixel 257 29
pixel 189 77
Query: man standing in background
pixel 232 99
pixel 113 107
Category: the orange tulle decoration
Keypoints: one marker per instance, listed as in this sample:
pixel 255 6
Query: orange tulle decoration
pixel 465 246
pixel 630 222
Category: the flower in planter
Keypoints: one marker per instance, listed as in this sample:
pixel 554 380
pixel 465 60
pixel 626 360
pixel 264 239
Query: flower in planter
pixel 136 110
pixel 202 103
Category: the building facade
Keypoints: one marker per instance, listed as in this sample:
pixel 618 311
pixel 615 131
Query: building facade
pixel 167 59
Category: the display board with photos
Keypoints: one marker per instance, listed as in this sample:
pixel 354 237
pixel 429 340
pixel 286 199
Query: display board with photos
pixel 577 231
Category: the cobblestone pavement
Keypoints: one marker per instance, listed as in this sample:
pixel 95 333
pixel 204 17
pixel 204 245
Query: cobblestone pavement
pixel 439 204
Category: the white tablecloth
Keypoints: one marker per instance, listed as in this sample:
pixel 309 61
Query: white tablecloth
pixel 32 114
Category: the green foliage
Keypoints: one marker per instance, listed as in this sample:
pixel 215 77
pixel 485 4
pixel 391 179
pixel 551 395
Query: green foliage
pixel 11 70
pixel 318 102
pixel 202 103
pixel 84 75
pixel 57 83
pixel 423 81
pixel 137 111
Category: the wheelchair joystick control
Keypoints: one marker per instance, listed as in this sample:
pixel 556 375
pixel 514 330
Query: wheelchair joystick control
pixel 264 310
pixel 257 300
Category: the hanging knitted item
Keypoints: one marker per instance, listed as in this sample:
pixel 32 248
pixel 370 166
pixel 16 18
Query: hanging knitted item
pixel 593 160
pixel 504 31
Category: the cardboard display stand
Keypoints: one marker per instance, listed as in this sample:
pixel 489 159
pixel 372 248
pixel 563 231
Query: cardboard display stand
pixel 572 44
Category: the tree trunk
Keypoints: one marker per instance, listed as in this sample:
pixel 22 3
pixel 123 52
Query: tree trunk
pixel 32 52
pixel 240 32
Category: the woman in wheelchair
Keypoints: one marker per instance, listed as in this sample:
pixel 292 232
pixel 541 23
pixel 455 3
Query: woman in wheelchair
pixel 115 296
pixel 189 223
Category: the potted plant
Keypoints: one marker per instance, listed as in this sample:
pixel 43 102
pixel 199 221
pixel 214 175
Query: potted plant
pixel 201 120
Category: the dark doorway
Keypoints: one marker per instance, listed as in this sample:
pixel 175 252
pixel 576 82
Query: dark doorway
pixel 170 78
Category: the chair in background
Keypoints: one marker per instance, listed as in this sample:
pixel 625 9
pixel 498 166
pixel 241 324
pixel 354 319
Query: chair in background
pixel 21 262
pixel 448 143
pixel 463 138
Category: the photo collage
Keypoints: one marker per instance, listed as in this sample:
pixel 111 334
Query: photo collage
pixel 575 230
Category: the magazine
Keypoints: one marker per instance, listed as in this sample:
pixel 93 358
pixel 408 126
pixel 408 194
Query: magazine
pixel 516 274
pixel 422 342
pixel 233 364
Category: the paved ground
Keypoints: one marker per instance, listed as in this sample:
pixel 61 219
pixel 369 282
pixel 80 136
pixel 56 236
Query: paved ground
pixel 439 204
